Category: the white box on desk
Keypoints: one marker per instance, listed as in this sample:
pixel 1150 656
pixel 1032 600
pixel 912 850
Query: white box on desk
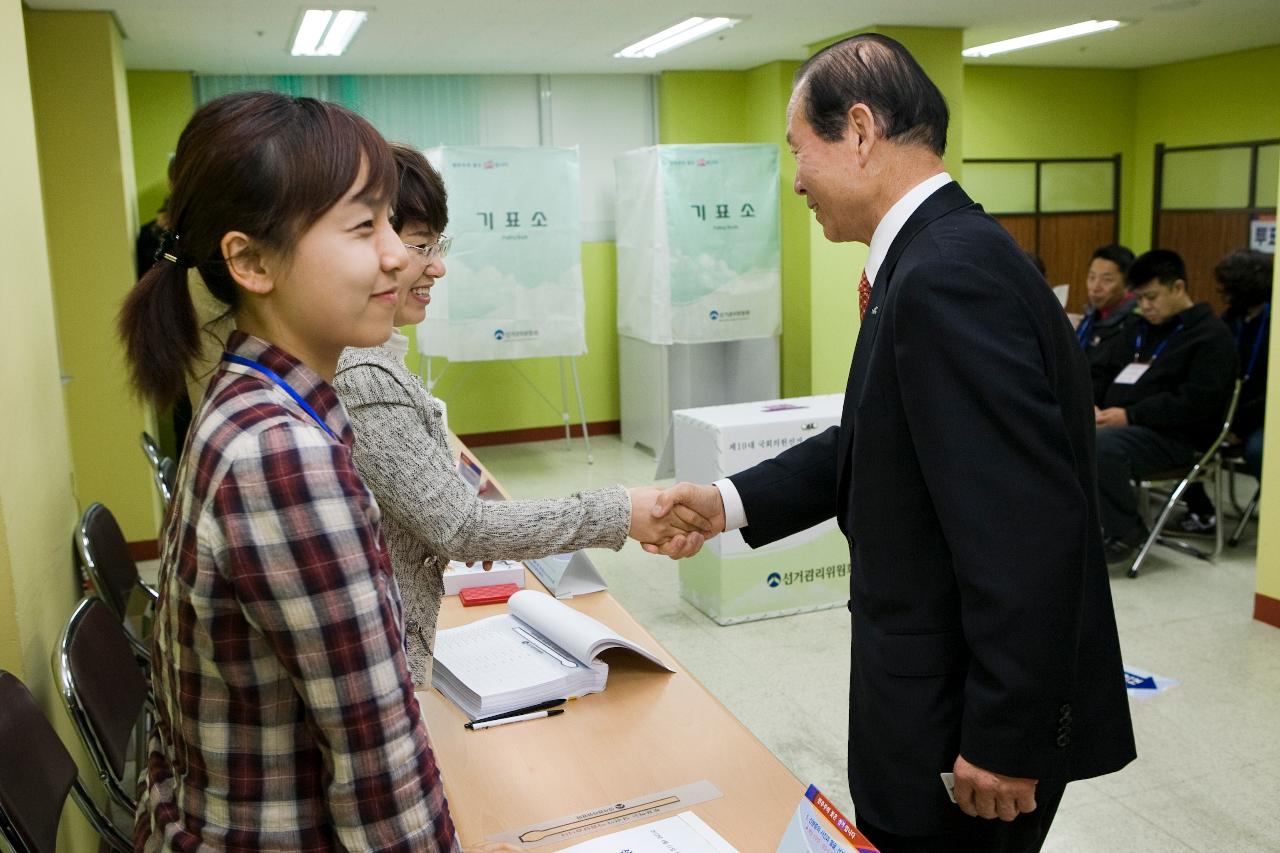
pixel 728 580
pixel 459 576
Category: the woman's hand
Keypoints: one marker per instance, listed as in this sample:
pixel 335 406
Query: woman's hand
pixel 679 522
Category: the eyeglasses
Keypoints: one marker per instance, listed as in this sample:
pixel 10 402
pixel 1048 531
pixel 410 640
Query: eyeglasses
pixel 440 248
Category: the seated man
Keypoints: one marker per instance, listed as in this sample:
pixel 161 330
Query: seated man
pixel 1111 307
pixel 1161 389
pixel 1244 280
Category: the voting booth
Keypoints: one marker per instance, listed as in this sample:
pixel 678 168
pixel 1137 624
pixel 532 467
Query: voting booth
pixel 699 281
pixel 728 580
pixel 514 287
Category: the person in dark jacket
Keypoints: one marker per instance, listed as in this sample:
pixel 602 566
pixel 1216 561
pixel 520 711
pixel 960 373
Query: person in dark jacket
pixel 1161 391
pixel 1244 280
pixel 1112 308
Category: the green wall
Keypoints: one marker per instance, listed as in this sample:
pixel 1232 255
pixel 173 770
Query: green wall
pixel 1227 98
pixel 38 582
pixel 700 107
pixel 1064 112
pixel 1013 111
pixel 1268 577
pixel 160 102
pixel 82 129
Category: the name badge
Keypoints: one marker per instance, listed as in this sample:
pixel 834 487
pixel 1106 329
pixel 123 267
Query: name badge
pixel 1131 374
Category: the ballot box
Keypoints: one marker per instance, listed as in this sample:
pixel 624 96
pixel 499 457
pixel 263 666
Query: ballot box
pixel 728 580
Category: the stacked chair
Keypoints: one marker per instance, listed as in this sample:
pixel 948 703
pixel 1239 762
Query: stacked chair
pixel 36 774
pixel 111 570
pixel 105 692
pixel 102 671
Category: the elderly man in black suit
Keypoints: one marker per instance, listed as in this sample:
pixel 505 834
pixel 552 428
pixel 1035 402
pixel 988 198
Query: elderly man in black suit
pixel 962 473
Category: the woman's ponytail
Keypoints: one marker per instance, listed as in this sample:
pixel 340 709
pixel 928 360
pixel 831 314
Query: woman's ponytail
pixel 158 327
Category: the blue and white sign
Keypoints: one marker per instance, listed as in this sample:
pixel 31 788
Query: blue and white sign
pixel 1142 684
pixel 1262 234
pixel 698 243
pixel 513 288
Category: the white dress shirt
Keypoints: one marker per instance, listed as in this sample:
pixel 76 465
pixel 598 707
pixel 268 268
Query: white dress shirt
pixel 735 516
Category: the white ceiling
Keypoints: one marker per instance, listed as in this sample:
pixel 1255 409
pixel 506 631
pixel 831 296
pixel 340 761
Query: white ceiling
pixel 580 36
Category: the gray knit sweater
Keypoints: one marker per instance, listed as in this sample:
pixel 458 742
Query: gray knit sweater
pixel 429 515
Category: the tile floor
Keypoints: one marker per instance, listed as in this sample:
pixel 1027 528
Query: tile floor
pixel 1208 772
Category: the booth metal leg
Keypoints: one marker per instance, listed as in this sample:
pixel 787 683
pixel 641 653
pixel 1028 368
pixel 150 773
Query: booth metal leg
pixel 582 409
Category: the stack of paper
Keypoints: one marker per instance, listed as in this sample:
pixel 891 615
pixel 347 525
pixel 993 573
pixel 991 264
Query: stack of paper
pixel 540 650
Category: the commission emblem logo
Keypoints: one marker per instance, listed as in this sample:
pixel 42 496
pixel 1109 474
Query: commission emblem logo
pixel 774 579
pixel 498 334
pixel 715 315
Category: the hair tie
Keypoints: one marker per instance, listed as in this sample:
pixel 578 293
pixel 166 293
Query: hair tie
pixel 168 250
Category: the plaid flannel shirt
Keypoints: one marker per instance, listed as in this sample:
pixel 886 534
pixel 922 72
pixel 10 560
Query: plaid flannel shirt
pixel 285 714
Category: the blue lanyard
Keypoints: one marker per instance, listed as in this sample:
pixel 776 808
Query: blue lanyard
pixel 285 386
pixel 1082 332
pixel 1137 345
pixel 1257 342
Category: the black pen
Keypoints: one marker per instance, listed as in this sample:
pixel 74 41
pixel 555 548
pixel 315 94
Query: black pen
pixel 541 706
pixel 519 718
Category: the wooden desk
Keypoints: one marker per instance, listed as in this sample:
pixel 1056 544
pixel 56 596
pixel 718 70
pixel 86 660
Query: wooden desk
pixel 648 731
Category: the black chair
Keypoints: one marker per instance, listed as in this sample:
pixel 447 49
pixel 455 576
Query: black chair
pixel 105 693
pixel 36 774
pixel 105 558
pixel 1209 465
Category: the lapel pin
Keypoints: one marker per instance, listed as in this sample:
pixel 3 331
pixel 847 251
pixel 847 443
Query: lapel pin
pixel 875 311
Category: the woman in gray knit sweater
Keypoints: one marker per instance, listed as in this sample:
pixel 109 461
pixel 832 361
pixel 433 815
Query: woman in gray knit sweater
pixel 429 515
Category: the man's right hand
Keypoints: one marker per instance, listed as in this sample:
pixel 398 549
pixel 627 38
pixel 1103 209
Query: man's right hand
pixel 689 501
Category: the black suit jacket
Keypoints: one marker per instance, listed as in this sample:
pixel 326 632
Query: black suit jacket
pixel 963 475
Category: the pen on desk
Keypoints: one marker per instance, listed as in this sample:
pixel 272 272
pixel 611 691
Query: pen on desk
pixel 541 706
pixel 519 719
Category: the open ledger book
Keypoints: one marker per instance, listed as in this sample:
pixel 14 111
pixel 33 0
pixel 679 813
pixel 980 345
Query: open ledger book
pixel 540 650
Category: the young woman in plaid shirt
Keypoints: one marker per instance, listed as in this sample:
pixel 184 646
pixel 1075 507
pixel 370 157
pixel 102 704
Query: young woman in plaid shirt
pixel 285 715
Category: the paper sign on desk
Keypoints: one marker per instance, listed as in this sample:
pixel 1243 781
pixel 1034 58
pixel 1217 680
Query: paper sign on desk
pixel 567 575
pixel 609 815
pixel 818 826
pixel 684 833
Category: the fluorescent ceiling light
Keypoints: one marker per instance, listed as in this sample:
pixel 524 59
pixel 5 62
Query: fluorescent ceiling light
pixel 324 32
pixel 1083 28
pixel 690 29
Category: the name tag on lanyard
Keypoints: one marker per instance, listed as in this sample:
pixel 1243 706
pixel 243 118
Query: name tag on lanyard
pixel 1132 373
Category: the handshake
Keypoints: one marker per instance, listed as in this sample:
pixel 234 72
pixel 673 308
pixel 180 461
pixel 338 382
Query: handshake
pixel 675 521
